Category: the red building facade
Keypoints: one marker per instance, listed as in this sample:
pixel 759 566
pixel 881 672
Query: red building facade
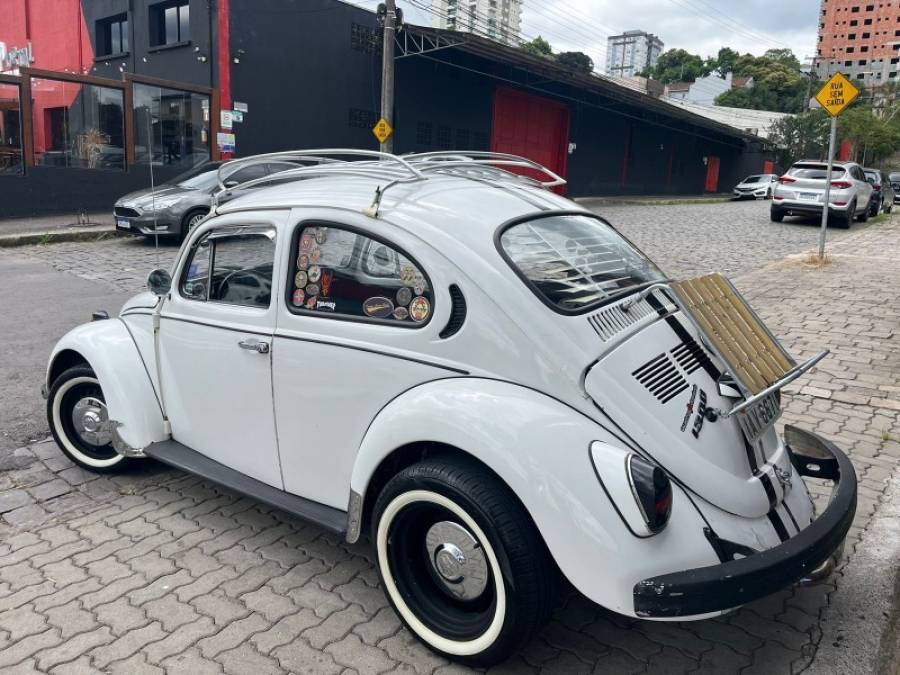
pixel 859 38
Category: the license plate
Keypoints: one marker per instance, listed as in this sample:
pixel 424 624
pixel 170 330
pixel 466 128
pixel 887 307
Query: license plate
pixel 808 195
pixel 123 223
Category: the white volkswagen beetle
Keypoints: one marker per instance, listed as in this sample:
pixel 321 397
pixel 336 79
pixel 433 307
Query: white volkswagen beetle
pixel 484 376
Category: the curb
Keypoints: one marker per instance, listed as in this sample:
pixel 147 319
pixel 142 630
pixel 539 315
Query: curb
pixel 860 625
pixel 56 236
pixel 650 201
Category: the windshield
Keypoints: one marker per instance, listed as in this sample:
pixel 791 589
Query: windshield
pixel 895 176
pixel 201 177
pixel 575 262
pixel 814 171
pixel 754 179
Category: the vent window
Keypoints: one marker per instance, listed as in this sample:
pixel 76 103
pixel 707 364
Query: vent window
pixel 457 313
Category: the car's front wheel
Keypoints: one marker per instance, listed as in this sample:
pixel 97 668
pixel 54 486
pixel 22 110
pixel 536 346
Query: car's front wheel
pixel 76 411
pixel 461 561
pixel 191 220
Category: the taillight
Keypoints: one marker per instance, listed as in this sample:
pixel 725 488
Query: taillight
pixel 784 180
pixel 652 490
pixel 841 184
pixel 877 188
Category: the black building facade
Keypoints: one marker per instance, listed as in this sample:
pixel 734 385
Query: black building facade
pixel 307 73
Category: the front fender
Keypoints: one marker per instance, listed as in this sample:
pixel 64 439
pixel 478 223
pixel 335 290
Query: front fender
pixel 110 351
pixel 541 448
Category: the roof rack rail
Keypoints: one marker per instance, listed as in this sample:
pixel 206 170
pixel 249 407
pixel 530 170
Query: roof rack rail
pixel 394 169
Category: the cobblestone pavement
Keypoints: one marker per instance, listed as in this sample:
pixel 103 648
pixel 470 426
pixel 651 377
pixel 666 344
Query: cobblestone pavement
pixel 157 571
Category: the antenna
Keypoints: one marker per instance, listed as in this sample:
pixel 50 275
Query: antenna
pixel 152 181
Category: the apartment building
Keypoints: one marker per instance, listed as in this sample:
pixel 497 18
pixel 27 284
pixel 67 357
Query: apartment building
pixel 632 51
pixel 859 39
pixel 499 20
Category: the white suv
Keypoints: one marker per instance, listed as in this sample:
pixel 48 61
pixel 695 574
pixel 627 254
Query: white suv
pixel 801 192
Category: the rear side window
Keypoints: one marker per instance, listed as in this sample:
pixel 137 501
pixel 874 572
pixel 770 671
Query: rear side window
pixel 574 262
pixel 814 171
pixel 874 175
pixel 339 272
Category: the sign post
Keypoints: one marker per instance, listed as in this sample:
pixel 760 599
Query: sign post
pixel 834 97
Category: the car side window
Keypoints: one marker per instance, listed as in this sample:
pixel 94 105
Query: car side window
pixel 251 172
pixel 232 269
pixel 340 272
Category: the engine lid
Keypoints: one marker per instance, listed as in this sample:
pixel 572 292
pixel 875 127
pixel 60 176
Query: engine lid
pixel 659 386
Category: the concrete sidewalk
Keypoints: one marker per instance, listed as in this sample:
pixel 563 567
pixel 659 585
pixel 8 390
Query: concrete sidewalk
pixel 653 200
pixel 52 228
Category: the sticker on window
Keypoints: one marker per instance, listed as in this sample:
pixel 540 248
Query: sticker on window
pixel 341 272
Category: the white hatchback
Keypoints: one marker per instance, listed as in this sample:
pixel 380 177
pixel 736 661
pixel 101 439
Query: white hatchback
pixel 483 376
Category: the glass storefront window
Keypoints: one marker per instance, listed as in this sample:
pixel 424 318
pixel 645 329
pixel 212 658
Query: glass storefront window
pixel 10 130
pixel 171 127
pixel 78 125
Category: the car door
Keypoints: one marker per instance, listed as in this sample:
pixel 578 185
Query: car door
pixel 215 349
pixel 352 328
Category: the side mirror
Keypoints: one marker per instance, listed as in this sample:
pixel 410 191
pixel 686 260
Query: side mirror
pixel 159 282
pixel 231 183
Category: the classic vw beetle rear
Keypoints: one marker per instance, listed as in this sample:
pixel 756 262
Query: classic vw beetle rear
pixel 486 378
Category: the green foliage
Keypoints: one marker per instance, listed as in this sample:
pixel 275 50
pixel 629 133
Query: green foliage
pixel 724 61
pixel 577 61
pixel 874 137
pixel 677 65
pixel 801 136
pixel 538 47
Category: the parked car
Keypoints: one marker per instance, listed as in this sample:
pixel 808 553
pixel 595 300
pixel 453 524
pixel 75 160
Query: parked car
pixel 884 196
pixel 895 185
pixel 487 378
pixel 759 185
pixel 801 192
pixel 172 209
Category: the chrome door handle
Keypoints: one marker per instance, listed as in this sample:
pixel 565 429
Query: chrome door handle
pixel 254 345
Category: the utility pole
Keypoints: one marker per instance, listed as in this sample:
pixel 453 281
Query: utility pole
pixel 387 71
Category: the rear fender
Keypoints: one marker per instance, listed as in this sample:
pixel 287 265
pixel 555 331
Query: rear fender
pixel 132 402
pixel 540 448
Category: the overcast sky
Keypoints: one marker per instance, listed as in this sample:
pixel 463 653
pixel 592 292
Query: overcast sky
pixel 700 26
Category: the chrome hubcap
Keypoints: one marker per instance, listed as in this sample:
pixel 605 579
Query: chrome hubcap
pixel 91 421
pixel 458 560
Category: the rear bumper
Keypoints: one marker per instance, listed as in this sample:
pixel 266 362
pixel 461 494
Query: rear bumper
pixel 706 590
pixel 802 208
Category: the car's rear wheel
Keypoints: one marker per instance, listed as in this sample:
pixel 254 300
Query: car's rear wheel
pixel 847 219
pixel 461 561
pixel 863 215
pixel 191 220
pixel 76 411
pixel 776 215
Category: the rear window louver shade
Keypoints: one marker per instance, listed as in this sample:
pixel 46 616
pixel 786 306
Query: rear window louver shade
pixel 457 313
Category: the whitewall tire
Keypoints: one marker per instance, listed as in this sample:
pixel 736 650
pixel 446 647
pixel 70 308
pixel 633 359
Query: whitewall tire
pixel 461 561
pixel 76 412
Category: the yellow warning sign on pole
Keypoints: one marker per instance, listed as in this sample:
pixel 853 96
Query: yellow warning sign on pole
pixel 382 130
pixel 837 94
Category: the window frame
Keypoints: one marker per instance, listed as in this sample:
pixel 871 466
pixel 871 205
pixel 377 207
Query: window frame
pixel 123 21
pixel 224 232
pixel 615 297
pixel 157 24
pixel 290 268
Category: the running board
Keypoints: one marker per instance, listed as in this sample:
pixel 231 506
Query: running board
pixel 182 457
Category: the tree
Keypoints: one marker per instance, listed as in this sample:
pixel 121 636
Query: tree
pixel 783 56
pixel 538 47
pixel 801 136
pixel 873 137
pixel 677 65
pixel 724 61
pixel 777 85
pixel 577 61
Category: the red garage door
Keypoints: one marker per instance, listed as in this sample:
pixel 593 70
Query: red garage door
pixel 533 127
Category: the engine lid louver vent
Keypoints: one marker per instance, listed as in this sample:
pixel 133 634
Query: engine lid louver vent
pixel 661 377
pixel 612 320
pixel 665 376
pixel 457 313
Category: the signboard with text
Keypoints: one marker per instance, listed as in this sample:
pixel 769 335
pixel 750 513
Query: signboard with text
pixel 837 94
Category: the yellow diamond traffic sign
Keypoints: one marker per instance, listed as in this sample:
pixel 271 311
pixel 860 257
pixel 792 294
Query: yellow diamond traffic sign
pixel 382 130
pixel 837 94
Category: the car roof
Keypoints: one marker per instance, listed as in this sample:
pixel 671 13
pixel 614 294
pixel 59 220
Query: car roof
pixel 466 207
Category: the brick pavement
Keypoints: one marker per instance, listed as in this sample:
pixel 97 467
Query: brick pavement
pixel 162 572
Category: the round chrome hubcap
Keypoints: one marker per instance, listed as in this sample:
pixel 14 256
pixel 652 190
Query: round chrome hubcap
pixel 458 559
pixel 90 420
